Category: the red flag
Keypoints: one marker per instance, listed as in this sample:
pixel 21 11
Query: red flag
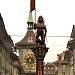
pixel 32 5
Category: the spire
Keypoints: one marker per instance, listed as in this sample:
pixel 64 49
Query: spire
pixel 30 21
pixel 30 18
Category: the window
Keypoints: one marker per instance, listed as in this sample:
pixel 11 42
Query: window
pixel 63 66
pixel 30 39
pixel 1 48
pixel 63 73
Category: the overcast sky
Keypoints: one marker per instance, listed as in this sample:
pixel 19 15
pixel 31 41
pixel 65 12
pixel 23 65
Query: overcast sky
pixel 59 16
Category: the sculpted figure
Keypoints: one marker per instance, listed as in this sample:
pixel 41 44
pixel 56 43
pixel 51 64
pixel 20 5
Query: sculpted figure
pixel 41 31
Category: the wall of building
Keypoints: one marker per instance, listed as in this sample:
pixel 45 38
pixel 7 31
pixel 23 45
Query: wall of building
pixel 15 71
pixel 6 66
pixel 5 61
pixel 63 71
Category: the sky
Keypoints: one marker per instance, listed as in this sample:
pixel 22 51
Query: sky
pixel 59 17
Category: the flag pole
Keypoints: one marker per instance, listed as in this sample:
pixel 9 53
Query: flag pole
pixel 35 13
pixel 33 7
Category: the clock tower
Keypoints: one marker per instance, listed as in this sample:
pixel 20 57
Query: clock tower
pixel 26 56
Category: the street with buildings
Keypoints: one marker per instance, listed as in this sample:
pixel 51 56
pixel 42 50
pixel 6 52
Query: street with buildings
pixel 25 63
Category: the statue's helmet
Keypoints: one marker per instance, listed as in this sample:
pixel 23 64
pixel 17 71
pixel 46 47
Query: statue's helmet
pixel 40 19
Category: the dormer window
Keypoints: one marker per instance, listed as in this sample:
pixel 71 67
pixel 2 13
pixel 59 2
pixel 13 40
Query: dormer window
pixel 30 39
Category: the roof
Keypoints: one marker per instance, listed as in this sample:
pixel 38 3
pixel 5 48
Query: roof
pixel 67 56
pixel 73 32
pixel 14 57
pixel 30 18
pixel 62 62
pixel 24 42
pixel 6 39
pixel 71 44
pixel 3 31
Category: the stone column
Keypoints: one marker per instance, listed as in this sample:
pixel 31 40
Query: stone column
pixel 40 52
pixel 39 67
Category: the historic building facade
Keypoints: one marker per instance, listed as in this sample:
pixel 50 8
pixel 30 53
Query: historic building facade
pixel 66 60
pixel 26 56
pixel 7 63
pixel 50 69
pixel 71 49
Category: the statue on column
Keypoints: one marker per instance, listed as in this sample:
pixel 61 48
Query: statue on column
pixel 41 31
